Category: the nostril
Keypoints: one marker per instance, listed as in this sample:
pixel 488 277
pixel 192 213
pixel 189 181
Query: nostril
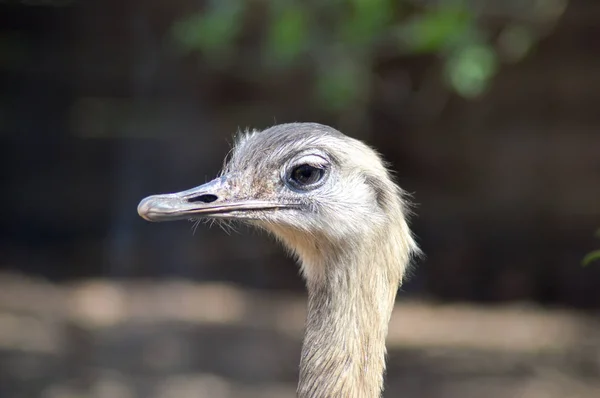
pixel 206 198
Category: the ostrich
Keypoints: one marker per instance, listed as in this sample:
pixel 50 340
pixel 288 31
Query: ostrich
pixel 330 200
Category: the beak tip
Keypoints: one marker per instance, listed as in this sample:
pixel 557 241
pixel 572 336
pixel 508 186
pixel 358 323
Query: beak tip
pixel 144 207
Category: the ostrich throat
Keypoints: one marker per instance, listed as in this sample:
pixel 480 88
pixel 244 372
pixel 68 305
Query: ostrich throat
pixel 350 301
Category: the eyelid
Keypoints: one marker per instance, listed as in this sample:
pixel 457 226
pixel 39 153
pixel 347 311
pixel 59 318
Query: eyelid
pixel 311 160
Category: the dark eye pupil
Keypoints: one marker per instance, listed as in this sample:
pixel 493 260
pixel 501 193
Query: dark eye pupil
pixel 306 174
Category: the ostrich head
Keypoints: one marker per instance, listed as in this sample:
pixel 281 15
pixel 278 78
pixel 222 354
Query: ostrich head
pixel 322 193
pixel 331 201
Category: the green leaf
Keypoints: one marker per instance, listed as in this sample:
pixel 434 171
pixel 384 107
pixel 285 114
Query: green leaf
pixel 470 69
pixel 368 20
pixel 340 84
pixel 437 30
pixel 591 257
pixel 287 36
pixel 211 31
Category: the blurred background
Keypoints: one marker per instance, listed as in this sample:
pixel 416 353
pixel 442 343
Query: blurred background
pixel 487 110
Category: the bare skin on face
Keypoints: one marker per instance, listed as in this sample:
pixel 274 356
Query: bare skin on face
pixel 330 200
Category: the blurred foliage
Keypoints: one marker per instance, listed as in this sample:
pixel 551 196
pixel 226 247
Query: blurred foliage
pixel 212 31
pixel 341 39
pixel 593 256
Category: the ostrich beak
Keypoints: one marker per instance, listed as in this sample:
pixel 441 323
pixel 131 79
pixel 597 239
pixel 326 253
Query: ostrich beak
pixel 215 199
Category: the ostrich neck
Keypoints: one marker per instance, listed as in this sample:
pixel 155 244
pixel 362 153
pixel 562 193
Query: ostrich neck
pixel 343 354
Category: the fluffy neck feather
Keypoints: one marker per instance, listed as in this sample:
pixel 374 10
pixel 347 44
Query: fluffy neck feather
pixel 343 354
pixel 351 298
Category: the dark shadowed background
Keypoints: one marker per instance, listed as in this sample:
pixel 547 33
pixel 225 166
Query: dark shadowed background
pixel 488 112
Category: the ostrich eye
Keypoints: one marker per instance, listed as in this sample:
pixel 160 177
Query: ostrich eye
pixel 305 176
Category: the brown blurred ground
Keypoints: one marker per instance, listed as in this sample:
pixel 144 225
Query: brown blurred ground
pixel 179 339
